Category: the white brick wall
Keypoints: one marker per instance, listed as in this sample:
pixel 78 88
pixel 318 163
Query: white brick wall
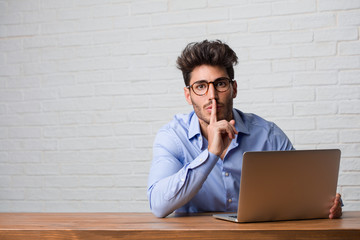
pixel 85 85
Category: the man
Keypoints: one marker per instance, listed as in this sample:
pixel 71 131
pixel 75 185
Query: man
pixel 197 158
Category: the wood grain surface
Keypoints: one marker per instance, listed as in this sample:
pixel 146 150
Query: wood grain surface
pixel 146 226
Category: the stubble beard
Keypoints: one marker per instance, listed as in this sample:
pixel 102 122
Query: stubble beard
pixel 227 115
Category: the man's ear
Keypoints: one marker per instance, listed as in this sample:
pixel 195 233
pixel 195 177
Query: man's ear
pixel 234 89
pixel 187 95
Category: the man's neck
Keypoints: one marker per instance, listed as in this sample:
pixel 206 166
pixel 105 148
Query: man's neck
pixel 203 129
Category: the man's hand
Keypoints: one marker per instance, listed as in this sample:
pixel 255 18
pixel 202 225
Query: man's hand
pixel 336 209
pixel 220 133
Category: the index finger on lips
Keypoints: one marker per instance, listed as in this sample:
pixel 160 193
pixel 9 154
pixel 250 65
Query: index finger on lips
pixel 213 117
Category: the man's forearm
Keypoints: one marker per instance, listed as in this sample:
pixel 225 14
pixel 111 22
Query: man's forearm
pixel 171 193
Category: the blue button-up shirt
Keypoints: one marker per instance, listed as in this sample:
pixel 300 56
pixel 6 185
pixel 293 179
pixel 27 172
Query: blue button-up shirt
pixel 186 177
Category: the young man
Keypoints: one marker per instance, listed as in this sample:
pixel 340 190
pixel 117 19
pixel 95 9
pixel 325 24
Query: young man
pixel 197 158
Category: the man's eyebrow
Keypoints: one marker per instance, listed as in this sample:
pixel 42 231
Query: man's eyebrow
pixel 219 78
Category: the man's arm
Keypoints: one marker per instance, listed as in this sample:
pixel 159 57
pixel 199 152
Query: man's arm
pixel 171 183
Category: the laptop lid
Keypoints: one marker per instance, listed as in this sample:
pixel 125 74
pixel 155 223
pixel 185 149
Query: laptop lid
pixel 287 185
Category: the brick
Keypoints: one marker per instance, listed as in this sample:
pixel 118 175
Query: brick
pixel 340 62
pixel 349 77
pixel 351 193
pixel 303 123
pixel 34 68
pixel 257 67
pixel 23 5
pixel 256 96
pixel 10 18
pixel 58 27
pixel 328 5
pixel 60 132
pixel 25 157
pixel 293 65
pixel 14 169
pixel 10 70
pixel 268 110
pixel 140 21
pixel 111 36
pixel 292 37
pixel 349 48
pixel 41 119
pixel 314 50
pixel 249 40
pixel 10 96
pixel 349 178
pixel 316 108
pixel 98 181
pixel 61 181
pixel 11 194
pixel 295 94
pixel 76 91
pixel 315 78
pixel 39 17
pixel 349 107
pixel 250 11
pixel 11 120
pixel 270 80
pixel 24 82
pixel 337 34
pixel 316 137
pixel 43 170
pixel 338 122
pixel 349 136
pixel 150 7
pixel 23 133
pixel 191 16
pixel 338 93
pixel 270 53
pixel 220 3
pixel 227 27
pixel 43 194
pixel 49 4
pixel 132 129
pixel 349 18
pixel 349 164
pixel 79 39
pixel 313 21
pixel 293 7
pixel 27 181
pixel 95 131
pixel 9 45
pixel 74 13
pixel 270 25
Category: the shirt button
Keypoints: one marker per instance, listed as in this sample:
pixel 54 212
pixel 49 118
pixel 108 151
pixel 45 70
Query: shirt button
pixel 226 174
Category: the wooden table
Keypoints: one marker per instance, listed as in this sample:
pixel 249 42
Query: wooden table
pixel 27 226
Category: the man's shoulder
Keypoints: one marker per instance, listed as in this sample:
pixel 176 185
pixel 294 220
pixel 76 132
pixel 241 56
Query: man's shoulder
pixel 179 121
pixel 253 120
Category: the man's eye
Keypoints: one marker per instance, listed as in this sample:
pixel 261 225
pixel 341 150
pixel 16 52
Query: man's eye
pixel 221 84
pixel 200 86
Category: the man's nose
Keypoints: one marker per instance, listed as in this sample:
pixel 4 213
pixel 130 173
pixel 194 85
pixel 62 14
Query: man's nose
pixel 212 93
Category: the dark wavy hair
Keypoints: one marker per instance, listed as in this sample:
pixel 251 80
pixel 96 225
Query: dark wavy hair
pixel 214 53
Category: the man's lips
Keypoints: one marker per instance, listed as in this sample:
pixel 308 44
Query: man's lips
pixel 209 108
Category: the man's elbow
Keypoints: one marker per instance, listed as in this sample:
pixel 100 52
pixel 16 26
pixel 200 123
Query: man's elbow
pixel 160 212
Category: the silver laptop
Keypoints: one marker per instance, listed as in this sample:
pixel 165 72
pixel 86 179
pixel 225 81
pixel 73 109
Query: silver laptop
pixel 286 185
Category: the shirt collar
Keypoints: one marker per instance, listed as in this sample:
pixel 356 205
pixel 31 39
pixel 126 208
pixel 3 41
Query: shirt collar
pixel 239 122
pixel 194 125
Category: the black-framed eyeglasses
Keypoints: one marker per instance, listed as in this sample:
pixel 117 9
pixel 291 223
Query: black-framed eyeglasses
pixel 201 87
